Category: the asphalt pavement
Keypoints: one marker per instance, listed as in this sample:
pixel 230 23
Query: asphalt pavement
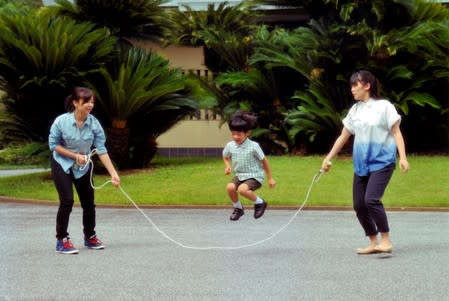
pixel 313 258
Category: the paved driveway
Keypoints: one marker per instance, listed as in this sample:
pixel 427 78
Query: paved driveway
pixel 16 172
pixel 312 259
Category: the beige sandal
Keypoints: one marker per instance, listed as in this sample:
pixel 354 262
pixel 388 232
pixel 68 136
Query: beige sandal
pixel 384 249
pixel 368 250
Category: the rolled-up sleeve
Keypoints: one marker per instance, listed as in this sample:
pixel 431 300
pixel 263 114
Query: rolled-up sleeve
pixel 392 115
pixel 347 121
pixel 54 138
pixel 99 137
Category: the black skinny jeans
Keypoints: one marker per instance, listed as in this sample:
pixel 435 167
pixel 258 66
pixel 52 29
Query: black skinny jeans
pixel 63 183
pixel 367 194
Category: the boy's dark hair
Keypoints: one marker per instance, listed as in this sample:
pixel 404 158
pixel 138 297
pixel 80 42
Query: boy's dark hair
pixel 242 122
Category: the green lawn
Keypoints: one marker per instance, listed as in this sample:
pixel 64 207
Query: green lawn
pixel 202 181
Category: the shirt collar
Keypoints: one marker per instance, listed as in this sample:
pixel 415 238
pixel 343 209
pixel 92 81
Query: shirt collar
pixel 87 122
pixel 367 103
pixel 245 142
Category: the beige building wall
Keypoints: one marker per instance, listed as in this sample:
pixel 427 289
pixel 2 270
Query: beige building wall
pixel 195 134
pixel 187 58
pixel 205 132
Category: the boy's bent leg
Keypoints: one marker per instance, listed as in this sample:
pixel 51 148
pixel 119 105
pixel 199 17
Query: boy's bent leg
pixel 247 190
pixel 231 189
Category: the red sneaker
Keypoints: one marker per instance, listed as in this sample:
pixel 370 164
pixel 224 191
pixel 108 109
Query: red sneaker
pixel 93 243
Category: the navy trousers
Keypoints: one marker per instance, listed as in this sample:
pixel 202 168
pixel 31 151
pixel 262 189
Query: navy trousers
pixel 367 193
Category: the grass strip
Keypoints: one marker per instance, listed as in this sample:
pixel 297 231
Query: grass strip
pixel 201 181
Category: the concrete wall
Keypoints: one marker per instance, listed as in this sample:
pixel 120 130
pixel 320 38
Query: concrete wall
pixel 205 136
pixel 197 136
pixel 187 58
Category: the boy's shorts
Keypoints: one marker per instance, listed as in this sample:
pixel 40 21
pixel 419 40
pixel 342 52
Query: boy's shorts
pixel 252 183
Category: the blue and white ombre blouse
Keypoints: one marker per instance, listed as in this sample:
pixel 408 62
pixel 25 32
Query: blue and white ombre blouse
pixel 65 132
pixel 374 146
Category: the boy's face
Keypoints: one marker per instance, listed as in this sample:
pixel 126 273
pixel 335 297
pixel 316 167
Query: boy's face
pixel 240 137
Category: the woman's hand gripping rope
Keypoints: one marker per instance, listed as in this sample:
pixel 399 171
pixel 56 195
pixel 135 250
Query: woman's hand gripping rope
pixel 114 180
pixel 325 167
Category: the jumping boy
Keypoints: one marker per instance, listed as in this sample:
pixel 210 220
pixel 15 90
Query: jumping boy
pixel 249 165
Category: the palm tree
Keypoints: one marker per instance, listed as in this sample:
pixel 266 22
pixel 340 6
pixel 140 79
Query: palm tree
pixel 20 4
pixel 124 18
pixel 224 31
pixel 257 90
pixel 140 93
pixel 41 59
pixel 402 42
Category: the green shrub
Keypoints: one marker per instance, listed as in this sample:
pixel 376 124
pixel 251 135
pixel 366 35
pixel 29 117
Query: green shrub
pixel 25 154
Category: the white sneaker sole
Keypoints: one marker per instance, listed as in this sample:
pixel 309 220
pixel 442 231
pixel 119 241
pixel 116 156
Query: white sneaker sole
pixel 68 252
pixel 95 248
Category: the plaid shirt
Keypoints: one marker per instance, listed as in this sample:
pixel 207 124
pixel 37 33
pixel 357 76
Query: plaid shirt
pixel 246 159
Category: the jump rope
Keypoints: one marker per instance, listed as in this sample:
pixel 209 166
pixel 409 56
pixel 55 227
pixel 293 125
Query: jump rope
pixel 182 245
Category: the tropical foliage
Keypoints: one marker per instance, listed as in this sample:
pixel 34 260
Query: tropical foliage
pixel 124 18
pixel 139 93
pixel 403 42
pixel 294 78
pixel 41 58
pixel 223 30
pixel 20 3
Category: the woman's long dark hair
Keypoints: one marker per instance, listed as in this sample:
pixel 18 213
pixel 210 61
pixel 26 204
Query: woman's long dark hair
pixel 79 93
pixel 366 77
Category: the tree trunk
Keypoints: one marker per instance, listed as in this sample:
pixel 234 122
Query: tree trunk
pixel 150 150
pixel 117 143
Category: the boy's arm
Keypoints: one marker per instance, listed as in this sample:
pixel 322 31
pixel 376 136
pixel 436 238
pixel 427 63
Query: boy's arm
pixel 267 168
pixel 227 162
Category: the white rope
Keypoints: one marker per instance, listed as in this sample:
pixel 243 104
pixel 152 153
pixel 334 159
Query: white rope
pixel 182 245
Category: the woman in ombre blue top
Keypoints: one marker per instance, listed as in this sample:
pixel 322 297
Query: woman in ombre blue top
pixel 374 122
pixel 72 136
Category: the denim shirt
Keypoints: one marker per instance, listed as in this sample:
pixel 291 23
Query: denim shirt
pixel 64 132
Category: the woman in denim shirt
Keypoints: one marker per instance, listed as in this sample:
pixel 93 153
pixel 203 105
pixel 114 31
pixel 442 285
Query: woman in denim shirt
pixel 72 136
pixel 374 122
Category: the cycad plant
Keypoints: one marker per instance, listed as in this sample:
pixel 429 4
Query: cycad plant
pixel 124 18
pixel 404 43
pixel 41 58
pixel 311 107
pixel 224 31
pixel 257 91
pixel 315 118
pixel 139 93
